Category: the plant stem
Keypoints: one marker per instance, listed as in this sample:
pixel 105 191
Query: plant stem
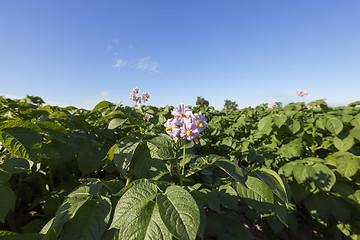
pixel 183 167
pixel 128 180
pixel 182 176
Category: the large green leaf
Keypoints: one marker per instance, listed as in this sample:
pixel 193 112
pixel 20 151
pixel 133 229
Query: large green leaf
pixel 179 212
pixel 319 207
pixel 347 165
pixel 293 125
pixel 334 125
pixel 280 120
pixel 237 173
pixel 89 159
pixel 27 236
pixel 7 201
pixel 144 223
pixel 322 176
pixel 134 198
pixel 67 211
pixel 89 222
pixel 265 125
pixel 116 122
pixel 22 142
pixel 122 154
pixel 343 142
pixel 256 194
pixel 16 165
pixel 355 132
pixel 77 198
pixel 302 172
pixel 274 182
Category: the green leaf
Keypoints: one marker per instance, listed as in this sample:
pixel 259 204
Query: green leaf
pixel 91 189
pixel 355 132
pixel 228 197
pixel 89 222
pixel 16 165
pixel 144 223
pixel 334 125
pixel 280 120
pixel 256 194
pixel 134 198
pixel 22 142
pixel 265 125
pixel 53 128
pixel 116 122
pixel 7 201
pixel 322 176
pixel 100 105
pixel 232 170
pixel 347 166
pixel 144 166
pixel 179 212
pixel 274 182
pixel 319 207
pixel 27 236
pixel 51 235
pixel 123 153
pixel 343 143
pixel 302 172
pixel 293 125
pixel 89 159
pixel 340 209
pixel 67 211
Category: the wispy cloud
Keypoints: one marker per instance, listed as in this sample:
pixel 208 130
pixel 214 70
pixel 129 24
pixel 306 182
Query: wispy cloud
pixel 113 43
pixel 144 64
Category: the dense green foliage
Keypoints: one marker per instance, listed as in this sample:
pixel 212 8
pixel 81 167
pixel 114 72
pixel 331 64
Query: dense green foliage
pixel 202 102
pixel 230 105
pixel 291 172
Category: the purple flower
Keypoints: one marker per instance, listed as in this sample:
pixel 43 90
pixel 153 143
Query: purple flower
pixel 172 127
pixel 189 131
pixel 236 161
pixel 200 121
pixel 301 93
pixel 272 105
pixel 147 116
pixel 145 96
pixel 181 112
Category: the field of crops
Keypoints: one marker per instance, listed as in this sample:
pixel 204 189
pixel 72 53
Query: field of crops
pixel 120 172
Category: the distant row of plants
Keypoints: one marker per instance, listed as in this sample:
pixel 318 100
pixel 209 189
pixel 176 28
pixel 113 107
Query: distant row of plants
pixel 143 172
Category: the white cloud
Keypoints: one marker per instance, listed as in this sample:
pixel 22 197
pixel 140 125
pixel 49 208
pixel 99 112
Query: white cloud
pixel 144 64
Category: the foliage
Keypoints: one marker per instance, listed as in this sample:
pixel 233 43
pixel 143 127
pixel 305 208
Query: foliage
pixel 289 172
pixel 229 105
pixel 201 102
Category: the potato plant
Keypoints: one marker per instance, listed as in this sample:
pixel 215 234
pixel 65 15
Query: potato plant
pixel 116 172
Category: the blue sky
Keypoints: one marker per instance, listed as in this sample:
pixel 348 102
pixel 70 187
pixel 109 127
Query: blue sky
pixel 252 52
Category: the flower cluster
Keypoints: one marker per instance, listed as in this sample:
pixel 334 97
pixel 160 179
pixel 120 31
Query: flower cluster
pixel 312 106
pixel 134 95
pixel 147 116
pixel 272 105
pixel 301 93
pixel 185 124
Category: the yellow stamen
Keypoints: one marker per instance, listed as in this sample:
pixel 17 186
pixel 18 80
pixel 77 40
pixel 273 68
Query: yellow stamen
pixel 196 140
pixel 169 128
pixel 182 115
pixel 146 97
pixel 199 123
pixel 130 98
pixel 188 132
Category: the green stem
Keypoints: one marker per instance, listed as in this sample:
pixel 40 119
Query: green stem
pixel 128 180
pixel 183 167
pixel 182 176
